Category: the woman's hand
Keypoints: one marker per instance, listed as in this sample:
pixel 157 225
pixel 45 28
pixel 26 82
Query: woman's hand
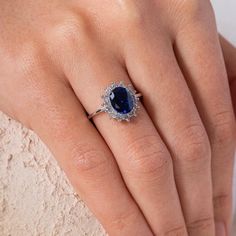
pixel 168 171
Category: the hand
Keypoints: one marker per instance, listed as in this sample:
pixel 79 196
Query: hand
pixel 168 171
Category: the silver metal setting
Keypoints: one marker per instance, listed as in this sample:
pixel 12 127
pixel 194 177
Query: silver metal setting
pixel 107 107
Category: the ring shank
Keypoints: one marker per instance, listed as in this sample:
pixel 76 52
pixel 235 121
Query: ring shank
pixel 100 110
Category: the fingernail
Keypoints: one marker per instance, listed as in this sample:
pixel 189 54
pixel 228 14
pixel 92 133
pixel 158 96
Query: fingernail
pixel 220 229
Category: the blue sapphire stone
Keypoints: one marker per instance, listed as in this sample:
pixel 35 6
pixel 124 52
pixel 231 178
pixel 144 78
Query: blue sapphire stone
pixel 121 100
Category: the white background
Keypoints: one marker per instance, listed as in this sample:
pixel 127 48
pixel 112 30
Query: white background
pixel 226 17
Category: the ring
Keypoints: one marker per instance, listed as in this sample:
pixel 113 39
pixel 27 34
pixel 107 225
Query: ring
pixel 119 101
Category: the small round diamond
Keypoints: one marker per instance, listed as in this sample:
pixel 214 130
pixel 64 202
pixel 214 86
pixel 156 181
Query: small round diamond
pixel 121 100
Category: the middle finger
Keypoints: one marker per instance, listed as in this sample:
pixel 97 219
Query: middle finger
pixel 156 73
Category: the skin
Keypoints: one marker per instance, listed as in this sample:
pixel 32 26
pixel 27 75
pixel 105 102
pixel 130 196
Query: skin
pixel 168 171
pixel 229 52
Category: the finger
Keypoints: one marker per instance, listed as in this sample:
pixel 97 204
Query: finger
pixel 155 71
pixel 60 121
pixel 202 62
pixel 140 153
pixel 229 52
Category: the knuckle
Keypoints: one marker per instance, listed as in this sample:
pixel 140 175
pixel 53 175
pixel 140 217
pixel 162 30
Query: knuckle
pixel 121 221
pixel 224 129
pixel 222 201
pixel 71 32
pixel 87 159
pixel 147 157
pixel 134 18
pixel 193 144
pixel 201 224
pixel 189 12
pixel 132 14
pixel 176 231
pixel 195 8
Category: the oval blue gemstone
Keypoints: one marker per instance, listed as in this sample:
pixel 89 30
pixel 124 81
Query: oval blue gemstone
pixel 121 100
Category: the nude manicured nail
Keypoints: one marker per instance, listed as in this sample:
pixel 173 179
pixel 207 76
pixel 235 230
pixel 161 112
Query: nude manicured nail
pixel 220 229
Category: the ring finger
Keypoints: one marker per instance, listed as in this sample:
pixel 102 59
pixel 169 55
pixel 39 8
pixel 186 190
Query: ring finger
pixel 144 160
